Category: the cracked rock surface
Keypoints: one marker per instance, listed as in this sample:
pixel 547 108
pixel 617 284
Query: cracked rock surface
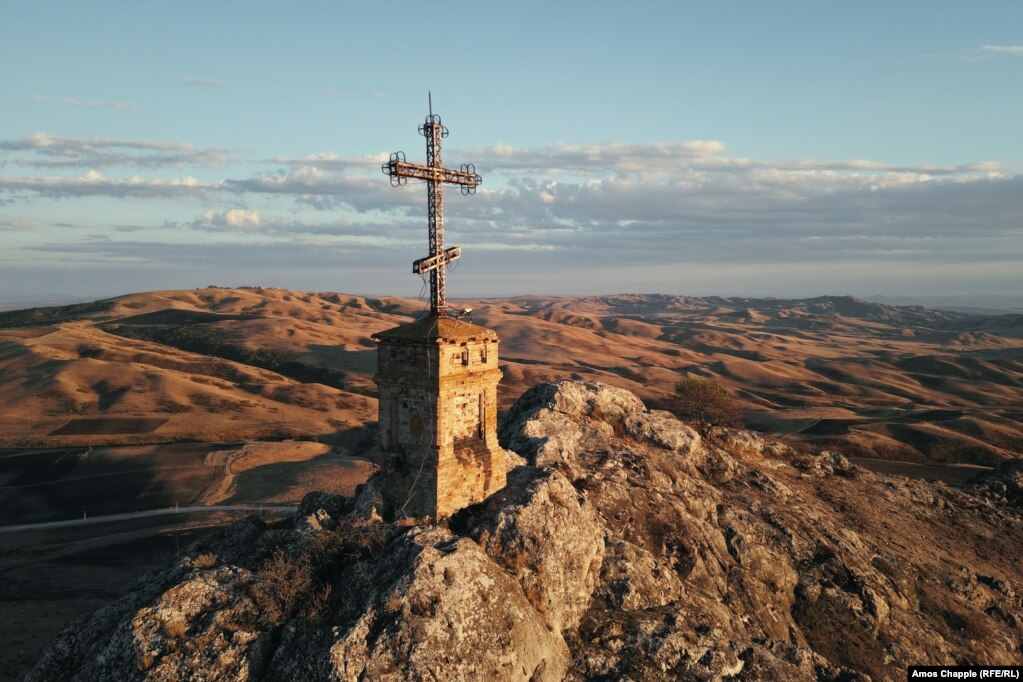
pixel 627 547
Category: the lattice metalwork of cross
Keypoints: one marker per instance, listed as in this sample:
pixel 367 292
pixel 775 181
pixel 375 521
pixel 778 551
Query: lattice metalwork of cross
pixel 436 176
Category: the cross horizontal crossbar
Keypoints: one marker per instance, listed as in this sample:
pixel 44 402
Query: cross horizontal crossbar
pixel 430 262
pixel 412 170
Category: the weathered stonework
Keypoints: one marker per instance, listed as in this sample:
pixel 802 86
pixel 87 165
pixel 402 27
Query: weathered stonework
pixel 437 381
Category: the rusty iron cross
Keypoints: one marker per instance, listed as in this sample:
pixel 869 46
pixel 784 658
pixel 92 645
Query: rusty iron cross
pixel 436 176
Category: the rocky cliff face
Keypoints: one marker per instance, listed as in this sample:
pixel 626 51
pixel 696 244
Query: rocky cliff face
pixel 626 547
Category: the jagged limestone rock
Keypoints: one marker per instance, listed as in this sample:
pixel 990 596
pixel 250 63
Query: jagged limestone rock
pixel 628 548
pixel 543 532
pixel 547 424
pixel 202 626
pixel 369 503
pixel 552 423
pixel 206 623
pixel 663 430
pixel 451 614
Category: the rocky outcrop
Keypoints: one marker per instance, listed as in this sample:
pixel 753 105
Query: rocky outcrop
pixel 545 534
pixel 627 547
pixel 552 424
pixel 1004 482
pixel 450 614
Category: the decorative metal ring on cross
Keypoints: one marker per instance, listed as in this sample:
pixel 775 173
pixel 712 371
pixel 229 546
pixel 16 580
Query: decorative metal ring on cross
pixel 432 120
pixel 470 169
pixel 391 169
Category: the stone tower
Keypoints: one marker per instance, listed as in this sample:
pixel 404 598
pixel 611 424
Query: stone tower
pixel 437 377
pixel 437 380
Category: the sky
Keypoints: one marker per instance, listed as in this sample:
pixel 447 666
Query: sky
pixel 787 149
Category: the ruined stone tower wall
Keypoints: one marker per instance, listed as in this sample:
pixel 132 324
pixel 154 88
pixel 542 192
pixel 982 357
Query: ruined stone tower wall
pixel 438 418
pixel 471 464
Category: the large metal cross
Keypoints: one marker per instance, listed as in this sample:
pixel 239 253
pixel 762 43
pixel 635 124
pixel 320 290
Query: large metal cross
pixel 435 175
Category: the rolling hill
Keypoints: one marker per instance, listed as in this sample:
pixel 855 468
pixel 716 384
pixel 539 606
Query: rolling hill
pixel 218 364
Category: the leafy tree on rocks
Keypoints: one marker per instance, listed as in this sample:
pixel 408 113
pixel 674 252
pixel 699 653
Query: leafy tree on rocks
pixel 704 402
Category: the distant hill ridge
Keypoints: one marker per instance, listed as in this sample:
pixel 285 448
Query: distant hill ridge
pixel 203 298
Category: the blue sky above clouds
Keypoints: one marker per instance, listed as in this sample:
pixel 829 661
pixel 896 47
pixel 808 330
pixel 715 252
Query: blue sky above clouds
pixel 733 148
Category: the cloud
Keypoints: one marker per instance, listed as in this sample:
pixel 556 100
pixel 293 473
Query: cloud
pixel 562 158
pixel 204 82
pixel 15 224
pixel 331 161
pixel 1003 49
pixel 610 205
pixel 311 264
pixel 780 220
pixel 94 183
pixel 91 103
pixel 985 53
pixel 45 150
pixel 256 257
pixel 237 218
pixel 327 190
pixel 672 157
pixel 354 230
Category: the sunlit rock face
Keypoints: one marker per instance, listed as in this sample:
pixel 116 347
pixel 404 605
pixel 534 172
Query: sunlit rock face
pixel 626 546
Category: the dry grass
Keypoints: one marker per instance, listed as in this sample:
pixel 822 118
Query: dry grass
pixel 282 584
pixel 319 603
pixel 208 560
pixel 259 454
pixel 299 583
pixel 393 603
pixel 175 629
pixel 841 636
pixel 421 605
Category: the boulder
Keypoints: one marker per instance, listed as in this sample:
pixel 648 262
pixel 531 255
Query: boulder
pixel 450 614
pixel 546 535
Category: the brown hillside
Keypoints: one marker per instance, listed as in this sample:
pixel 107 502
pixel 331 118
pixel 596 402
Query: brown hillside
pixel 217 364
